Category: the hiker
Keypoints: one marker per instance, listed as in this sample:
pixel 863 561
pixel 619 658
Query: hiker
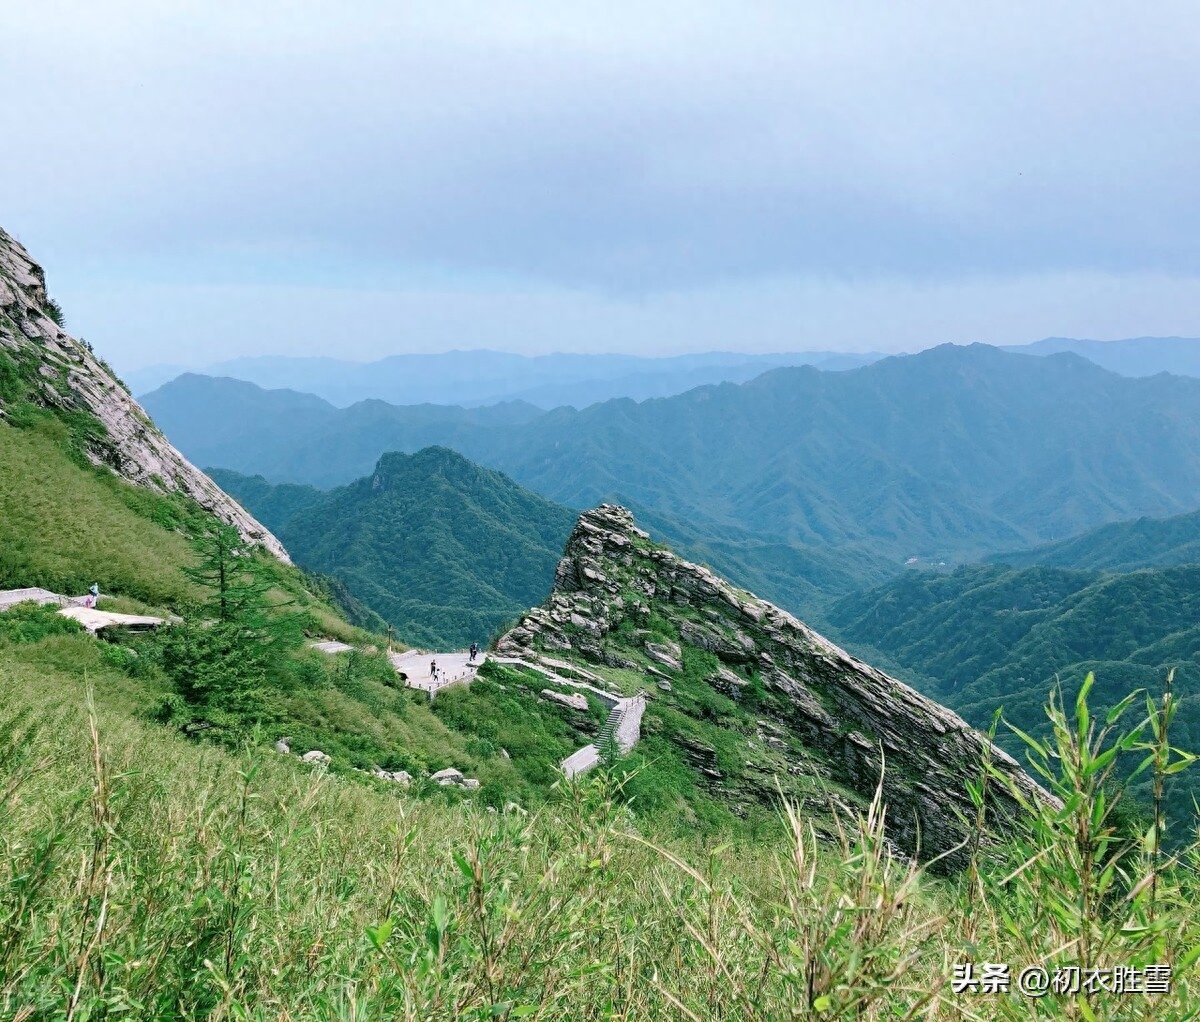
pixel 93 594
pixel 433 669
pixel 474 650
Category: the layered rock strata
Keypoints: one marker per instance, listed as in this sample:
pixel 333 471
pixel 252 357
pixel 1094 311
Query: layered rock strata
pixel 65 374
pixel 852 721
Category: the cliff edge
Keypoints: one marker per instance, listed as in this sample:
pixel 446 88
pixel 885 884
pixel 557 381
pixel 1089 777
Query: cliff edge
pixel 57 371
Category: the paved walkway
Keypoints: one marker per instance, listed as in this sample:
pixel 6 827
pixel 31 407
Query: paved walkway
pixel 11 597
pixel 413 666
pixel 96 620
pixel 452 668
pixel 74 607
pixel 624 723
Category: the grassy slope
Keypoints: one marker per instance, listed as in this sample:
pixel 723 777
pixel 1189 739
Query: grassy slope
pixel 179 880
pixel 67 524
pixel 63 526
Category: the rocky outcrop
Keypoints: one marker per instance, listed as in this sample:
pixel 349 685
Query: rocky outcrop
pixel 837 717
pixel 63 373
pixel 574 701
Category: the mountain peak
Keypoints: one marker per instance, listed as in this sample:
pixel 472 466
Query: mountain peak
pixel 620 600
pixel 42 365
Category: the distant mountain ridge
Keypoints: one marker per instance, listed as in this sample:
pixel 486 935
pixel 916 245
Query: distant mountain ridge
pixel 473 378
pixel 441 549
pixel 1134 356
pixel 956 452
pixel 470 378
pixel 991 635
pixel 1121 546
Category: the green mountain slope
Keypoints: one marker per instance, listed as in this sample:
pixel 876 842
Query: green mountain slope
pixel 986 636
pixel 443 550
pixel 955 453
pixel 746 700
pixel 90 491
pixel 1121 546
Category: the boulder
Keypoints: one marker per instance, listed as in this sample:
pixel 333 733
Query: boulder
pixel 395 776
pixel 315 756
pixel 447 777
pixel 471 783
pixel 282 747
pixel 574 701
pixel 666 653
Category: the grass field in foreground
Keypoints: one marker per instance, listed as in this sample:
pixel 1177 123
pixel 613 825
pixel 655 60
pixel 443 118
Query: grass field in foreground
pixel 143 876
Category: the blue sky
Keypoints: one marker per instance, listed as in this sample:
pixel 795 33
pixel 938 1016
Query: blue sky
pixel 208 179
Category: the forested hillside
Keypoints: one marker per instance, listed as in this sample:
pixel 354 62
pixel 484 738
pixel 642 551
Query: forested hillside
pixel 443 550
pixel 1121 546
pixel 989 636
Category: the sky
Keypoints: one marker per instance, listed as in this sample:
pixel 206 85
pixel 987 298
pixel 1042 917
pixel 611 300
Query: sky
pixel 209 179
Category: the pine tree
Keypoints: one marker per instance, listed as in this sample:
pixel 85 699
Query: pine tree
pixel 237 592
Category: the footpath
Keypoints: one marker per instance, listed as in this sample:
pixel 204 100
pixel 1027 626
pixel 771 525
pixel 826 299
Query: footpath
pixel 76 608
pixel 622 728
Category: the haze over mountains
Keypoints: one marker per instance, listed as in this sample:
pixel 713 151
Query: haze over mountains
pixel 954 453
pixel 471 378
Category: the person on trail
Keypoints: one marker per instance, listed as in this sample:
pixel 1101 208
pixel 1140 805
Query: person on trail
pixel 474 650
pixel 93 594
pixel 433 669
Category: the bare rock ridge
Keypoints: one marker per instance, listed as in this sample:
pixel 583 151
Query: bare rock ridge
pixel 71 378
pixel 835 714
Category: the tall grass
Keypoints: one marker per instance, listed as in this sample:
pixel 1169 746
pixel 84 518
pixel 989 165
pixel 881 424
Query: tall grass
pixel 144 877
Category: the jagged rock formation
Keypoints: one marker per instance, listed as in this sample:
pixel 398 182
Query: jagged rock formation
pixel 831 715
pixel 65 374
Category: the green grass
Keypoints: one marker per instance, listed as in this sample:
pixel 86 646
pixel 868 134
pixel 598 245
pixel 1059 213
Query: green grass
pixel 64 526
pixel 143 876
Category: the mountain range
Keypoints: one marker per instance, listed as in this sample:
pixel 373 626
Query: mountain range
pixel 954 454
pixel 1134 356
pixel 1121 601
pixel 470 378
pixel 422 534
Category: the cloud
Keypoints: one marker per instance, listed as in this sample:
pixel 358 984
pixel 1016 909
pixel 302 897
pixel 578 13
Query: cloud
pixel 626 152
pixel 622 149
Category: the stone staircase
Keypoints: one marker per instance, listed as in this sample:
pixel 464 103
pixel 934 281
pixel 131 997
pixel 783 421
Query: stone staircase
pixel 623 727
pixel 624 723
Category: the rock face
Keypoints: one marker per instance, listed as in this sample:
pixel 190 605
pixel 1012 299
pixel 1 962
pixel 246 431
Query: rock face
pixel 68 376
pixel 833 716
